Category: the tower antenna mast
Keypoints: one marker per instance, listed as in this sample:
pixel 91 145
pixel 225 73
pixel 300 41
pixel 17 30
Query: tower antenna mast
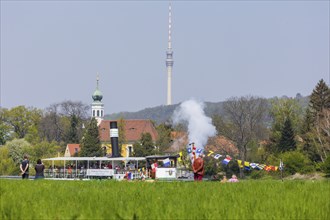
pixel 169 57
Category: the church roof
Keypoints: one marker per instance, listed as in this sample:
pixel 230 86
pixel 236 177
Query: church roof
pixel 133 130
pixel 97 95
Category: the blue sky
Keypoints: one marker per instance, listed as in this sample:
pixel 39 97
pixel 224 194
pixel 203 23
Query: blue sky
pixel 51 51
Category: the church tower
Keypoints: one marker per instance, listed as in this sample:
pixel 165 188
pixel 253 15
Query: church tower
pixel 169 58
pixel 97 105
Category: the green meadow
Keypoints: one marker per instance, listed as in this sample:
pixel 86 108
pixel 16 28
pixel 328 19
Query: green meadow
pixel 102 199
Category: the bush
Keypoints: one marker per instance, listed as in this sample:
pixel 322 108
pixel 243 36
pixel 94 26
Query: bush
pixel 7 165
pixel 326 167
pixel 296 162
pixel 257 174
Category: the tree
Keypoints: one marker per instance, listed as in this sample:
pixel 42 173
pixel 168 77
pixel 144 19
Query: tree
pixel 56 123
pixel 145 147
pixel 164 137
pixel 51 126
pixel 44 149
pixel 22 120
pixel 4 128
pixel 296 162
pixel 72 135
pixel 316 132
pixel 287 141
pixel 70 108
pixel 280 111
pixel 320 98
pixel 122 134
pixel 91 144
pixel 7 165
pixel 17 149
pixel 246 117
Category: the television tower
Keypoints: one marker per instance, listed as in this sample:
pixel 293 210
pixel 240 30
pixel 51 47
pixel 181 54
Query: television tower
pixel 169 58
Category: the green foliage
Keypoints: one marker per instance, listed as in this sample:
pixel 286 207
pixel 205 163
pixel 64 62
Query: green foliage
pixel 164 137
pixel 72 135
pixel 42 150
pixel 231 168
pixel 162 200
pixel 138 150
pixel 287 141
pixel 7 165
pixel 316 129
pixel 17 149
pixel 246 117
pixel 63 122
pixel 281 111
pixel 4 128
pixel 296 162
pixel 51 126
pixel 320 97
pixel 145 147
pixel 22 120
pixel 258 174
pixel 326 167
pixel 210 166
pixel 91 144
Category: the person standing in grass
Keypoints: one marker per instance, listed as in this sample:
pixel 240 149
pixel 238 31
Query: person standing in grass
pixel 25 167
pixel 224 179
pixel 233 179
pixel 39 168
pixel 198 168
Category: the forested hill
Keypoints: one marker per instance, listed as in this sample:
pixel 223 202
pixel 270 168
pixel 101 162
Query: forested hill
pixel 164 113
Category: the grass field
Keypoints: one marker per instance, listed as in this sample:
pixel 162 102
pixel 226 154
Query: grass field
pixel 47 199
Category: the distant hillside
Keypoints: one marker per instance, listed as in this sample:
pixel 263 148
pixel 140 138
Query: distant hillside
pixel 164 113
pixel 158 114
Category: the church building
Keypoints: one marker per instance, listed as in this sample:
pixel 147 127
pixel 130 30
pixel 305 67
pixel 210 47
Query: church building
pixel 132 128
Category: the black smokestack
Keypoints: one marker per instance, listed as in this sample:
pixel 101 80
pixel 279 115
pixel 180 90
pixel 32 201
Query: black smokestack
pixel 114 139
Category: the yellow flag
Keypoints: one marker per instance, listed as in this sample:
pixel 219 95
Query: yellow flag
pixel 179 159
pixel 210 153
pixel 239 163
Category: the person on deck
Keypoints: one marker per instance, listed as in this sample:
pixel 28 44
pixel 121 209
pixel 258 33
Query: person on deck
pixel 39 168
pixel 25 167
pixel 198 168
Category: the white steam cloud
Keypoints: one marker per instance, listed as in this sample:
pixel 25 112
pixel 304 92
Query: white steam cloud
pixel 200 127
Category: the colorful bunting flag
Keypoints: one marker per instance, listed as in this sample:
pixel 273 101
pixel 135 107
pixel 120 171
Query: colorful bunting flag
pixel 260 166
pixel 217 156
pixel 226 160
pixel 253 165
pixel 210 153
pixel 167 162
pixel 246 164
pixel 180 156
pixel 281 165
pixel 154 167
pixel 268 168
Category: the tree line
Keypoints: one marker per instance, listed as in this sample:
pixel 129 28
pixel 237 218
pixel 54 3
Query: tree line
pixel 264 131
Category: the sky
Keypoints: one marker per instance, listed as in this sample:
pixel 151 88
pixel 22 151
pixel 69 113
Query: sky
pixel 51 51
